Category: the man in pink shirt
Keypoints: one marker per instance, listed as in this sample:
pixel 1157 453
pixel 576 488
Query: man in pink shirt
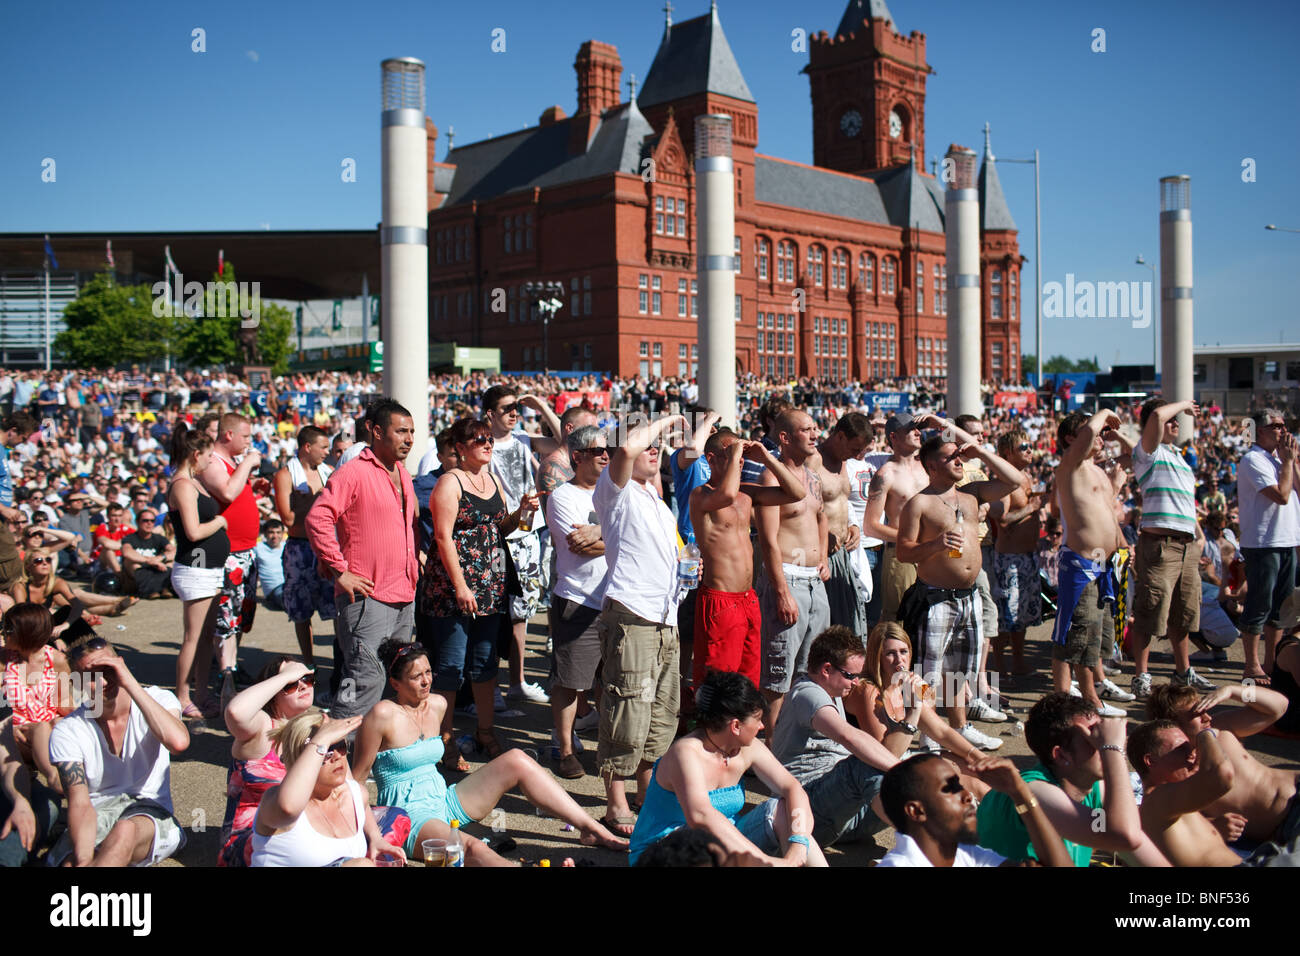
pixel 355 527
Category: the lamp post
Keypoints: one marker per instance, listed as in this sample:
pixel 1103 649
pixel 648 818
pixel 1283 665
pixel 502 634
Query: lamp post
pixel 547 298
pixel 1155 322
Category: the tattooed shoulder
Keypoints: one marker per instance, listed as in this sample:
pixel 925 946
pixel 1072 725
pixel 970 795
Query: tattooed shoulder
pixel 71 772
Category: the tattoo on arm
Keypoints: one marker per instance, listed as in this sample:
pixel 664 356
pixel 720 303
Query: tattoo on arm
pixel 72 772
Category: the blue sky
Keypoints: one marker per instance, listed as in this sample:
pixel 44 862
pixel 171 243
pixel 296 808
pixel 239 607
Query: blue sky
pixel 149 135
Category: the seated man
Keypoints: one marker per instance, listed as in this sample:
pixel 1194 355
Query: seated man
pixel 269 554
pixel 116 767
pixel 1081 778
pixel 935 815
pixel 1265 796
pixel 147 556
pixel 1181 779
pixel 839 766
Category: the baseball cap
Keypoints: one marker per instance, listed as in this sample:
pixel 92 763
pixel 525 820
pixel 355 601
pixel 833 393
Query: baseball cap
pixel 900 422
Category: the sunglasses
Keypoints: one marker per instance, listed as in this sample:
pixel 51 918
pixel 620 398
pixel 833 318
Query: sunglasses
pixel 847 676
pixel 512 409
pixel 414 648
pixel 482 440
pixel 1024 446
pixel 306 680
pixel 77 651
pixel 339 747
pixel 40 560
pixel 595 452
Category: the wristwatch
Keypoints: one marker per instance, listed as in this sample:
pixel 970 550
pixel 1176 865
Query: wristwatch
pixel 1115 747
pixel 320 748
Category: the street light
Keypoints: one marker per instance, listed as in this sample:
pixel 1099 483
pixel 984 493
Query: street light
pixel 1281 228
pixel 1155 289
pixel 547 298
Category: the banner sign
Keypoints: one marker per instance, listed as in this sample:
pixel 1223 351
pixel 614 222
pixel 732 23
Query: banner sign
pixel 598 401
pixel 887 401
pixel 1022 401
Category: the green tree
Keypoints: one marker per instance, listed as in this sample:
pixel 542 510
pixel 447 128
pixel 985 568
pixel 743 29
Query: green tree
pixel 213 336
pixel 110 324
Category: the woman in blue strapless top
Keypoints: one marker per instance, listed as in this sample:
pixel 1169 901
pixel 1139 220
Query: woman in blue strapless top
pixel 399 743
pixel 699 777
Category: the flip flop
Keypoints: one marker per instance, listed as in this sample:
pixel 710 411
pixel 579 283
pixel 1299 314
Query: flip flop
pixel 615 824
pixel 193 712
pixel 460 765
pixel 1261 680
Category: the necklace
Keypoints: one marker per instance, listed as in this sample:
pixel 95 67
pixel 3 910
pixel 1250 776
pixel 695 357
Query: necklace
pixel 419 724
pixel 477 490
pixel 726 761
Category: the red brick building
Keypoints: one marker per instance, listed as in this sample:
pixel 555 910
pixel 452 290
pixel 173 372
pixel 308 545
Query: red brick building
pixel 840 270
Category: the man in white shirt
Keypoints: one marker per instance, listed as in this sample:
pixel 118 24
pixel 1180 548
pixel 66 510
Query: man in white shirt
pixel 113 757
pixel 1268 510
pixel 637 626
pixel 579 590
pixel 934 814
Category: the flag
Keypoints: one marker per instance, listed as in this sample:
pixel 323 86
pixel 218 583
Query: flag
pixel 111 264
pixel 167 252
pixel 49 253
pixel 221 262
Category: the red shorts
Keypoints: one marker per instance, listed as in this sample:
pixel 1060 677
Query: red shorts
pixel 726 634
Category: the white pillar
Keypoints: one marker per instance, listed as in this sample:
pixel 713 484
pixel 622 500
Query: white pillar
pixel 962 232
pixel 715 230
pixel 1176 295
pixel 404 246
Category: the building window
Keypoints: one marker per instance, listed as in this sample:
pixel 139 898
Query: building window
pixel 736 256
pixel 737 308
pixel 642 301
pixel 659 224
pixel 695 298
pixel 586 295
pixel 642 281
pixel 645 349
pixel 681 298
pixel 681 217
pixel 659 203
pixel 681 350
pixel 867 271
pixel 760 256
pixel 508 234
pixel 575 302
pixel 657 303
pixel 840 269
pixel 815 257
pixel 887 282
pixel 997 308
pixel 656 283
pixel 659 350
pixel 785 261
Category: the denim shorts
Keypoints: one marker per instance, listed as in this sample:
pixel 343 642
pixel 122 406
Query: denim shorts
pixel 841 802
pixel 464 647
pixel 1270 579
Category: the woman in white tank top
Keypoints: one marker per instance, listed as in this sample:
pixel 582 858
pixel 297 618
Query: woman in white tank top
pixel 318 815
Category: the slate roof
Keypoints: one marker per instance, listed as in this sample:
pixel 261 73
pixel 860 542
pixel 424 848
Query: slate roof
pixel 693 57
pixel 994 212
pixel 911 199
pixel 859 10
pixel 539 156
pixel 818 190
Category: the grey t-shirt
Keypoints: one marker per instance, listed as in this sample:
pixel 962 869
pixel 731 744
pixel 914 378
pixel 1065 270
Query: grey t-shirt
pixel 803 751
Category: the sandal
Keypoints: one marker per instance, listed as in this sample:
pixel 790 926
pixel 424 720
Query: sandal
pixel 616 824
pixel 193 711
pixel 1260 680
pixel 120 608
pixel 491 746
pixel 457 765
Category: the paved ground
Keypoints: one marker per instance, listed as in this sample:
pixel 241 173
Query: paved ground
pixel 150 636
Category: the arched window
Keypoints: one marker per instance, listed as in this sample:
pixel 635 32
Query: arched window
pixel 840 269
pixel 816 266
pixel 761 251
pixel 867 271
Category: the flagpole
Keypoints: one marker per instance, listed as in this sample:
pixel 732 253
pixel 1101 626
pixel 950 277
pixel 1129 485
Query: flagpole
pixel 48 363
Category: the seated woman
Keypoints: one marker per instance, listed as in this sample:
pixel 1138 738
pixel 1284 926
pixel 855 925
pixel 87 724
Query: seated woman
pixel 318 815
pixel 893 704
pixel 399 742
pixel 697 782
pixel 283 691
pixel 36 685
pixel 45 587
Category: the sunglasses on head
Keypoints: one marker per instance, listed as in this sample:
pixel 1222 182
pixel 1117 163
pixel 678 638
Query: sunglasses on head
pixel 77 651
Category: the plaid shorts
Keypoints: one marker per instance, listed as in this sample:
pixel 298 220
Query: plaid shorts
pixel 949 638
pixel 306 590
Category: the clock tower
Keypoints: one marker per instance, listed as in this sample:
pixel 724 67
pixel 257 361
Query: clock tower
pixel 868 92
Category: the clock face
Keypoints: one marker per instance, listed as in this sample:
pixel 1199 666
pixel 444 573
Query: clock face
pixel 895 124
pixel 851 123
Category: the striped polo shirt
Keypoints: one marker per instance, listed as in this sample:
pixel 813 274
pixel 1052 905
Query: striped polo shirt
pixel 1168 489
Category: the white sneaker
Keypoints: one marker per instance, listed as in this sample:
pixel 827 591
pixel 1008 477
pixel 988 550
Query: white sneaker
pixel 981 740
pixel 925 745
pixel 527 691
pixel 1192 679
pixel 1106 710
pixel 555 745
pixel 980 709
pixel 590 722
pixel 1108 690
pixel 1074 689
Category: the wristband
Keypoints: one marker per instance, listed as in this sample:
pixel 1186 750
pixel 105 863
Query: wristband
pixel 1115 747
pixel 798 838
pixel 1023 808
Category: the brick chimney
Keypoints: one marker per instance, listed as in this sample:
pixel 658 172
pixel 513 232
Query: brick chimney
pixel 600 71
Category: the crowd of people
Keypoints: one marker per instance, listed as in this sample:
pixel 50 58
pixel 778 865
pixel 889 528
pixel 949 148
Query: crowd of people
pixel 824 592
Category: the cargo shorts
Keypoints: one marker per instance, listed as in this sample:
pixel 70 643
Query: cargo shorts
pixel 1168 585
pixel 642 689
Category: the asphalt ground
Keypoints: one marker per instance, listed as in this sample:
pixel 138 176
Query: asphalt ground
pixel 148 637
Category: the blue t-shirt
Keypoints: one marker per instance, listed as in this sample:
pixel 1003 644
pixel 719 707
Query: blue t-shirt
pixel 686 480
pixel 6 482
pixel 269 569
pixel 423 485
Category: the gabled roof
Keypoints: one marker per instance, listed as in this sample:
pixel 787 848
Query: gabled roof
pixel 539 156
pixel 693 57
pixel 859 10
pixel 818 190
pixel 910 200
pixel 994 212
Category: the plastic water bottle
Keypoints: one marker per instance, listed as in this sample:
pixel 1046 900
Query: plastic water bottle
pixel 455 846
pixel 688 563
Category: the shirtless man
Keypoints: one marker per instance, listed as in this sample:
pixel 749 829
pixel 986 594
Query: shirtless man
pixel 1015 564
pixel 727 620
pixel 1085 583
pixel 295 487
pixel 938 530
pixel 791 593
pixel 1263 801
pixel 847 440
pixel 897 480
pixel 556 467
